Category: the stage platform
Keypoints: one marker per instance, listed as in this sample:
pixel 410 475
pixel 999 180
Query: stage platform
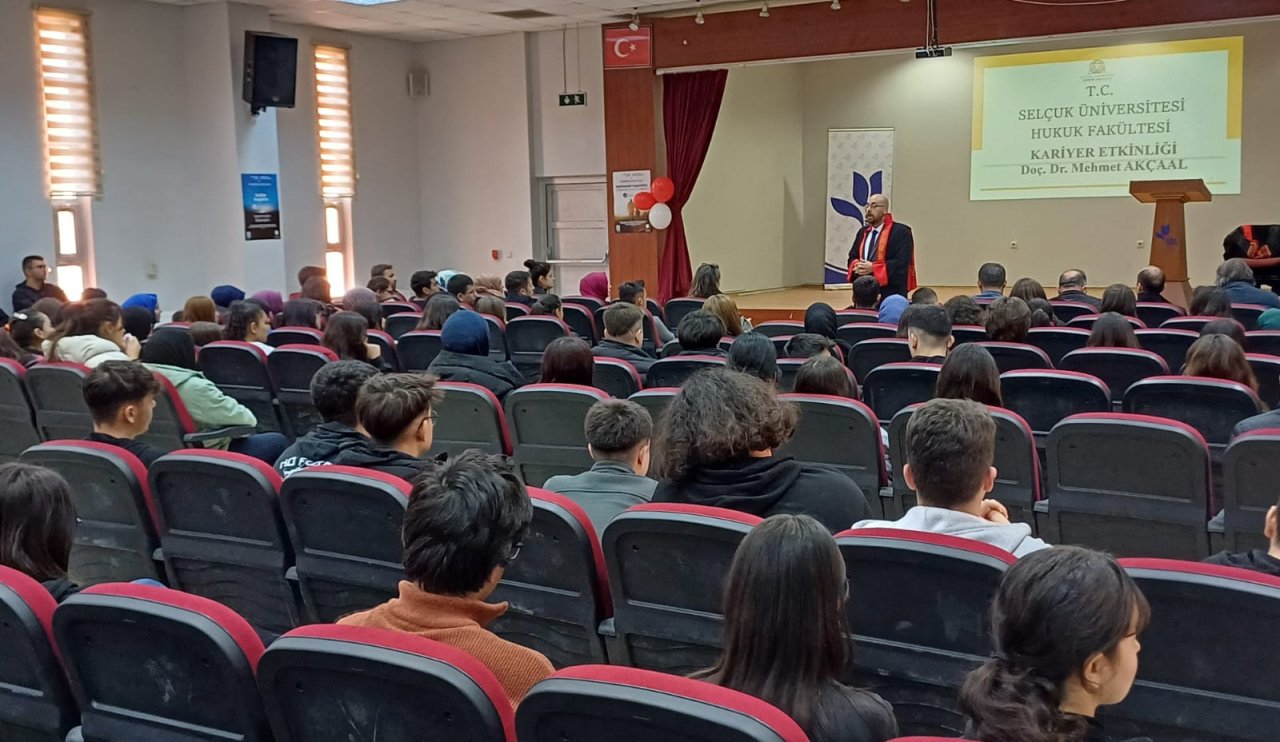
pixel 790 303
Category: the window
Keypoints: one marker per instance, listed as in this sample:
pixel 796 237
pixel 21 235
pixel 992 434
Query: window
pixel 336 150
pixel 72 167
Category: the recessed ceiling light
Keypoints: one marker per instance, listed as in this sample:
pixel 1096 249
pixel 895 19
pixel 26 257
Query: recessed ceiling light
pixel 368 2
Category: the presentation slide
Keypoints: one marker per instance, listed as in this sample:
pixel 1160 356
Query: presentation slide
pixel 1082 123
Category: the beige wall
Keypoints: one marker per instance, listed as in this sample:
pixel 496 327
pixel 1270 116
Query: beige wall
pixel 929 103
pixel 745 211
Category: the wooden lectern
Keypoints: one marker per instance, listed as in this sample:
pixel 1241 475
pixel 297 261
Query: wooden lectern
pixel 1169 235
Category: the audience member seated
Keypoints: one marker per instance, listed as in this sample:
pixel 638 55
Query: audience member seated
pixel 149 302
pixel 891 309
pixel 928 333
pixel 1042 314
pixel 30 329
pixel 492 306
pixel 595 285
pixel 271 302
pixel 1071 288
pixel 1120 299
pixel 92 293
pixel 199 309
pixel 1210 301
pixel 224 295
pixel 808 345
pixel 706 281
pixel 488 284
pixel 1229 327
pixel 439 309
pixel 335 389
pixel 1220 357
pixel 356 296
pixel 395 410
pixel 623 336
pixel 121 396
pixel 306 273
pixel 203 333
pixel 991 281
pixel 970 372
pixel 347 334
pixel 34 287
pixel 1262 421
pixel 317 288
pixel 92 334
pixel 1027 289
pixel 465 523
pixel 382 290
pixel 568 360
pixel 866 293
pixel 1065 625
pixel 540 275
pixel 951 448
pixel 547 305
pixel 795 658
pixel 633 292
pixel 1236 278
pixel 248 323
pixel 716 447
pixel 519 288
pixel 821 319
pixel 173 355
pixel 1266 560
pixel 463 289
pixel 699 334
pixel 138 322
pixel 1112 330
pixel 754 354
pixel 924 295
pixel 302 313
pixel 388 272
pixel 423 285
pixel 464 356
pixel 964 311
pixel 11 350
pixel 618 434
pixel 1008 320
pixel 1151 285
pixel 727 310
pixel 823 374
pixel 37 526
pixel 51 308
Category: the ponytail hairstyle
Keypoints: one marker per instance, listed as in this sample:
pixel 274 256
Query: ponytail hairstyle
pixel 243 314
pixel 25 326
pixel 84 318
pixel 1054 610
pixel 538 270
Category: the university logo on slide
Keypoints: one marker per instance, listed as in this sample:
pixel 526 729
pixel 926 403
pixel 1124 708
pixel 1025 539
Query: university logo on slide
pixel 624 48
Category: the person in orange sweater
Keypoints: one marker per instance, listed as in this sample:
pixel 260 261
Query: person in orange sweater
pixel 464 525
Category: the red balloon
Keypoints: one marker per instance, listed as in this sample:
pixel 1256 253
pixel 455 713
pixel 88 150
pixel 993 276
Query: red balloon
pixel 663 189
pixel 644 200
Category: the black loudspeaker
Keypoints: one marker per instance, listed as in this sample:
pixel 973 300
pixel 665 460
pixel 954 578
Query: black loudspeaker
pixel 270 70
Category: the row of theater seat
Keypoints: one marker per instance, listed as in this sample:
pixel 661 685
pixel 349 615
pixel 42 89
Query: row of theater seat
pixel 145 659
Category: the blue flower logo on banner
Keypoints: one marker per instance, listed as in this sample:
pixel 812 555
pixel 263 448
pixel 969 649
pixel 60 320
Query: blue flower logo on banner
pixel 863 190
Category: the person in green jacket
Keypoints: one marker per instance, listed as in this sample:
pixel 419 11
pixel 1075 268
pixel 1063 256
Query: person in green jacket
pixel 173 355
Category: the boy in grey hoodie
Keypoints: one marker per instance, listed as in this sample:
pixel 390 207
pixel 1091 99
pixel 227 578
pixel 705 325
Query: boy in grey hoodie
pixel 950 450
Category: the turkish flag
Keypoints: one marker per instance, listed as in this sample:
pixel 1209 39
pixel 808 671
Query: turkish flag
pixel 625 48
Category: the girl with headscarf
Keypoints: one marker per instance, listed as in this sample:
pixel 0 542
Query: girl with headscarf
pixel 891 308
pixel 225 294
pixel 138 321
pixel 821 319
pixel 357 296
pixel 150 302
pixel 273 300
pixel 465 356
pixel 172 354
pixel 595 285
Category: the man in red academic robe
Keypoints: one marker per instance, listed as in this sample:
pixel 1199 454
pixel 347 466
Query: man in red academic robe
pixel 885 249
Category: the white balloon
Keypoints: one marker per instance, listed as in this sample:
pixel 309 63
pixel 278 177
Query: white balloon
pixel 660 216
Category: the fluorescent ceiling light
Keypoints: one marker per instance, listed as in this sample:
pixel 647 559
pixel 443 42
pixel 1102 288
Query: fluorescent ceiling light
pixel 368 2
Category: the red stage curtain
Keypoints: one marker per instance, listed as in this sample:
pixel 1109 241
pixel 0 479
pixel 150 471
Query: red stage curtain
pixel 690 106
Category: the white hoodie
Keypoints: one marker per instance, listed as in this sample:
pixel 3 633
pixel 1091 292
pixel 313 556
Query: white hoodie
pixel 89 350
pixel 1015 538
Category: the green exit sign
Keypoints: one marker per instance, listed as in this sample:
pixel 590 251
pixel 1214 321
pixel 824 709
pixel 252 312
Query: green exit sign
pixel 573 99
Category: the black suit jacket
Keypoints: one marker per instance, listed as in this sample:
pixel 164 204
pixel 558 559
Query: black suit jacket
pixel 897 260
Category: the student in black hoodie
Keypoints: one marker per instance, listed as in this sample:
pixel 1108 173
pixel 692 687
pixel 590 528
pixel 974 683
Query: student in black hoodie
pixel 699 333
pixel 334 389
pixel 395 410
pixel 623 336
pixel 37 526
pixel 716 447
pixel 1266 561
pixel 464 340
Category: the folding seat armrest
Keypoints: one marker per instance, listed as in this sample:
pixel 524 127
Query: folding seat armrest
pixel 1042 506
pixel 75 735
pixel 1218 524
pixel 235 431
pixel 606 628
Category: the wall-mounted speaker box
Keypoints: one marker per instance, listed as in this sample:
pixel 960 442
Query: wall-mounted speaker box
pixel 270 70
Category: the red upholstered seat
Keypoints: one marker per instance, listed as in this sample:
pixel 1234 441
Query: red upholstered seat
pixel 843 433
pixel 131 650
pixel 546 429
pixel 56 392
pixel 1014 356
pixel 416 688
pixel 15 409
pixel 470 416
pixel 35 702
pixel 240 370
pixel 617 377
pixel 672 371
pixel 581 703
pixel 1045 398
pixel 293 367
